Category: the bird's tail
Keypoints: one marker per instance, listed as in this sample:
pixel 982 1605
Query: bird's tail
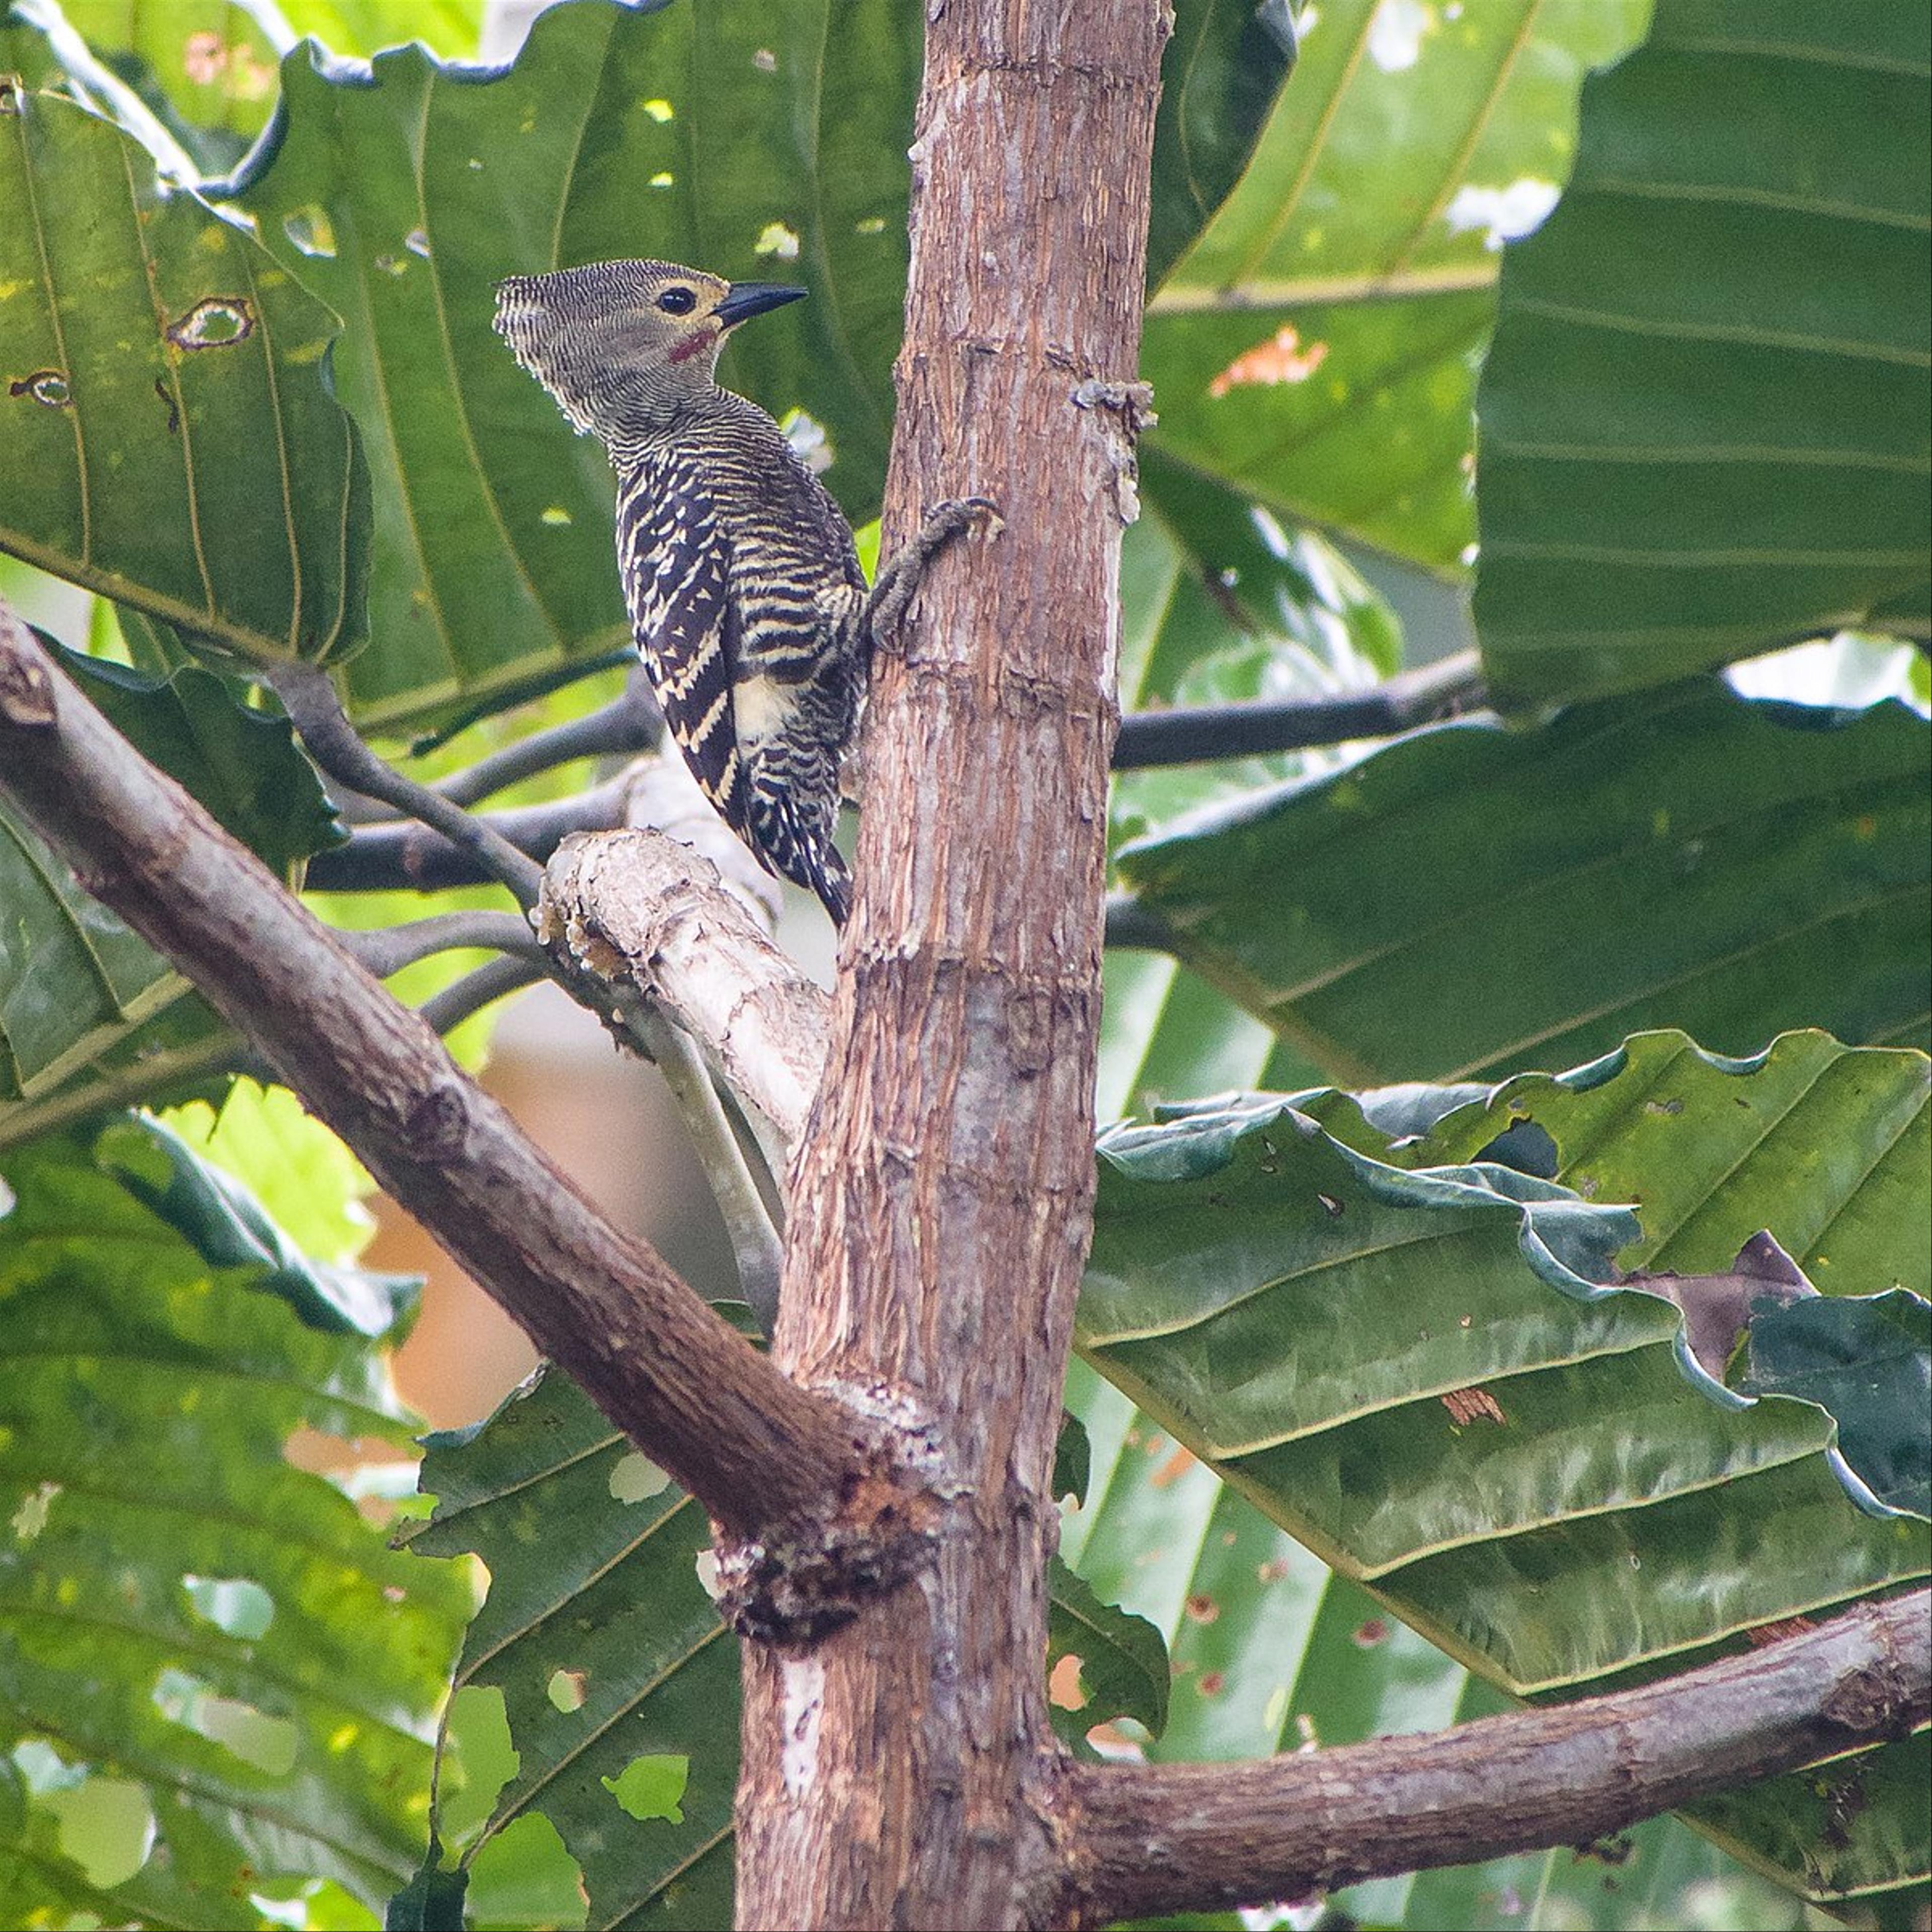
pixel 803 853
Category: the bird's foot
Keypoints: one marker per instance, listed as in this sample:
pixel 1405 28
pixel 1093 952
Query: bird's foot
pixel 898 582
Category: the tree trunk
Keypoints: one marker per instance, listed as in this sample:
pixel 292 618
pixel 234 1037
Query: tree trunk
pixel 899 1773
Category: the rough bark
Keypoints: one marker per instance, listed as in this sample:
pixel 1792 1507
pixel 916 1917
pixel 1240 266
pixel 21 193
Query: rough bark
pixel 1147 1840
pixel 897 1774
pixel 761 1454
pixel 641 905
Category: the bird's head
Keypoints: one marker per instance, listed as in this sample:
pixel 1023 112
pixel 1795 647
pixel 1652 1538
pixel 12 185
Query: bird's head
pixel 622 345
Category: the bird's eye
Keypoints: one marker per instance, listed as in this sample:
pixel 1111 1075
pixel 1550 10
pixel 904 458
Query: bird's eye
pixel 677 301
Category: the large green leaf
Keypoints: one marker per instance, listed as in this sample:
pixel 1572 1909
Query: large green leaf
pixel 1422 1376
pixel 751 142
pixel 617 1677
pixel 1825 1146
pixel 171 435
pixel 185 1618
pixel 1706 423
pixel 1317 348
pixel 1468 898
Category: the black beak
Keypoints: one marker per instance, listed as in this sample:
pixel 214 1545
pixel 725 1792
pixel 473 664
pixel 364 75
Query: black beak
pixel 747 299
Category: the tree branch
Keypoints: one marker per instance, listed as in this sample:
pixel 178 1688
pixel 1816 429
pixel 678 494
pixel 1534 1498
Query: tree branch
pixel 622 728
pixel 1193 735
pixel 494 979
pixel 1146 1839
pixel 411 857
pixel 639 903
pixel 384 949
pixel 761 1454
pixel 323 726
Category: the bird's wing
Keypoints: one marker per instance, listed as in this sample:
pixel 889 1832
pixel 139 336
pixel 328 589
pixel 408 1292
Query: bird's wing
pixel 675 559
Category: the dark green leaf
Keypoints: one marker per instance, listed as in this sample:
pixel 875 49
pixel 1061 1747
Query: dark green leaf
pixel 1825 1146
pixel 1706 418
pixel 432 1901
pixel 1421 1375
pixel 173 439
pixel 242 764
pixel 1683 859
pixel 1220 76
pixel 187 1612
pixel 1071 1460
pixel 1273 1652
pixel 227 1227
pixel 1868 1363
pixel 91 1019
pixel 1122 1660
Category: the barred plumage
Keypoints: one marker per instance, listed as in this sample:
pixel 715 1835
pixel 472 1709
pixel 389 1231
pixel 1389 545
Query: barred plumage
pixel 744 588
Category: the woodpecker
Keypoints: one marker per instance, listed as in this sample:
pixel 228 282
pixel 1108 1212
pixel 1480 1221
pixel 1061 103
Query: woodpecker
pixel 745 596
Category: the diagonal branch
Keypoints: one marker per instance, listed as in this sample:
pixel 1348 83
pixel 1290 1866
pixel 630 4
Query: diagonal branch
pixel 761 1454
pixel 1146 1839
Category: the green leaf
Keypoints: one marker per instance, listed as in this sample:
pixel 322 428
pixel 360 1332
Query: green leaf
pixel 1272 1652
pixel 432 1901
pixel 1824 1145
pixel 1219 76
pixel 243 765
pixel 603 1644
pixel 1868 1363
pixel 91 1018
pixel 1316 350
pixel 229 1228
pixel 187 1612
pixel 1683 858
pixel 1706 425
pixel 1121 1660
pixel 173 441
pixel 1420 1374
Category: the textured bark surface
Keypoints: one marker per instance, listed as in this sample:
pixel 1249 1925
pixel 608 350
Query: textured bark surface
pixel 898 1773
pixel 758 1451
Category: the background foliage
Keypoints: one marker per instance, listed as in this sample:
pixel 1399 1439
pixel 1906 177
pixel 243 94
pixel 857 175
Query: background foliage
pixel 1420 1428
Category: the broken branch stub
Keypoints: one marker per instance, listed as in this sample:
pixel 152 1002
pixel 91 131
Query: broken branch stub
pixel 638 905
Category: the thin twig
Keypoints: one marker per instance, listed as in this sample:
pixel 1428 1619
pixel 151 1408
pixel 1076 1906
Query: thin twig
pixel 623 728
pixel 316 712
pixel 406 856
pixel 1196 733
pixel 491 981
pixel 385 949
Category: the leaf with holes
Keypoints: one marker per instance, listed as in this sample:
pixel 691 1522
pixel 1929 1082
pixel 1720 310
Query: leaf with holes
pixel 1316 349
pixel 1681 858
pixel 189 1616
pixel 1707 429
pixel 173 441
pixel 1119 1663
pixel 603 1644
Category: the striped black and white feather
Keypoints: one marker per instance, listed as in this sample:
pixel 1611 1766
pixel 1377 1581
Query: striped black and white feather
pixel 743 587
